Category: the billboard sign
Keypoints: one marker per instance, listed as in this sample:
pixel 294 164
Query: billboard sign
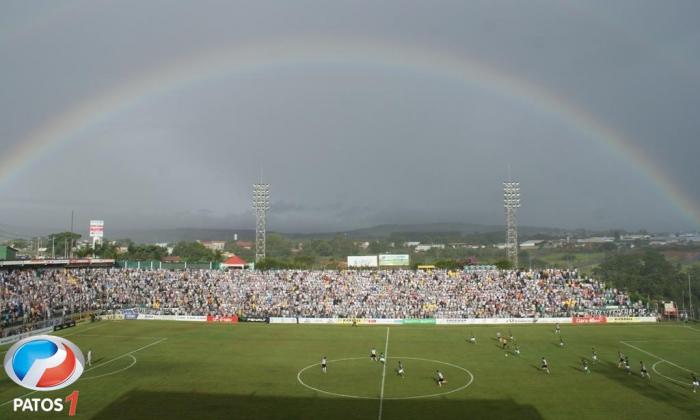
pixel 97 228
pixel 397 260
pixel 362 261
pixel 589 319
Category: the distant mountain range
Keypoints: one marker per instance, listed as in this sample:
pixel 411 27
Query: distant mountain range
pixel 393 231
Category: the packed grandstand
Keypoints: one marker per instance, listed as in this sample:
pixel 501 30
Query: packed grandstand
pixel 30 296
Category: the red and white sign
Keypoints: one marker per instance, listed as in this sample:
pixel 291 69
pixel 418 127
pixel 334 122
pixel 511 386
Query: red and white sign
pixel 218 318
pixel 588 319
pixel 97 228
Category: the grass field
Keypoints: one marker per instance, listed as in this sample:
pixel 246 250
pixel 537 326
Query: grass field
pixel 172 370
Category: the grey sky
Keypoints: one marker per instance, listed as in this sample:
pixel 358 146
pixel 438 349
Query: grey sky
pixel 353 143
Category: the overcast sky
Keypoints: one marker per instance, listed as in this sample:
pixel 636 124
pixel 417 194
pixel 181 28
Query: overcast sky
pixel 350 109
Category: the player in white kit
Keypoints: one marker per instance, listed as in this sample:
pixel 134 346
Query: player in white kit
pixel 440 378
pixel 400 370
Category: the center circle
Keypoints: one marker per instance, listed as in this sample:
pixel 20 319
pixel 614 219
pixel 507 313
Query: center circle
pixel 388 372
pixel 109 373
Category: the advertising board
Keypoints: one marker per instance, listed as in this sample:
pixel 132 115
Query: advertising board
pixel 589 319
pixel 97 228
pixel 282 320
pixel 395 260
pixel 362 261
pixel 630 319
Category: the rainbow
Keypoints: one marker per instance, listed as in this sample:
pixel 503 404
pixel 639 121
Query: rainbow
pixel 66 127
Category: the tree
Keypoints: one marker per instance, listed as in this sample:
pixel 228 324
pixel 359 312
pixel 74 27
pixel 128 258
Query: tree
pixel 277 245
pixel 102 250
pixel 645 273
pixel 448 264
pixel 145 253
pixel 20 243
pixel 61 243
pixel 504 265
pixel 195 252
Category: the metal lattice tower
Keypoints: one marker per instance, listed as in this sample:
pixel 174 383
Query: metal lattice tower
pixel 511 201
pixel 261 204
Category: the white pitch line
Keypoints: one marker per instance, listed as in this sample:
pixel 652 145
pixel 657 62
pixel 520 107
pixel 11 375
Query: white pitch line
pixel 133 362
pixel 68 335
pixel 653 355
pixel 123 336
pixel 21 396
pixel 694 329
pixel 663 341
pixel 653 367
pixel 96 366
pixel 411 397
pixel 386 359
pixel 81 331
pixel 126 354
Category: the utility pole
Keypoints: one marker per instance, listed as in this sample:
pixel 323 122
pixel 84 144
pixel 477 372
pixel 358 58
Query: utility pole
pixel 683 300
pixel 690 298
pixel 53 247
pixel 72 214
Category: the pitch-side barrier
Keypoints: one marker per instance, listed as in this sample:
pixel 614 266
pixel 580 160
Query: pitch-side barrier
pixel 576 320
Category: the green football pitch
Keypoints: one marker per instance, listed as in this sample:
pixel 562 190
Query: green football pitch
pixel 173 370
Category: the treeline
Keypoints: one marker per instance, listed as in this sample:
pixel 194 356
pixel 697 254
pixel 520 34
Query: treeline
pixel 648 275
pixel 187 251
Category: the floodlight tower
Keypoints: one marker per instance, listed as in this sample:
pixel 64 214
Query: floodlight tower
pixel 261 204
pixel 511 201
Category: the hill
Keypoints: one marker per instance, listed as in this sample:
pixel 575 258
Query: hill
pixel 447 231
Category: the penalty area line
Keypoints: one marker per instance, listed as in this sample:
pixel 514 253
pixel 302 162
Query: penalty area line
pixel 660 360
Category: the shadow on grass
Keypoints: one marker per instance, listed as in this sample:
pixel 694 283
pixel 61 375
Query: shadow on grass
pixel 656 388
pixel 173 405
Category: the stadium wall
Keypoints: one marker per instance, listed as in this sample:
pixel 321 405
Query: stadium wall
pixel 15 338
pixel 131 315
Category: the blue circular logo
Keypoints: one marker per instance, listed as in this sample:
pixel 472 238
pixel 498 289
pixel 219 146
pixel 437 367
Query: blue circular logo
pixel 44 363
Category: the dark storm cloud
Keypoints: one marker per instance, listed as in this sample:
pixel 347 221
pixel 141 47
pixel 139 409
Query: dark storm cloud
pixel 353 144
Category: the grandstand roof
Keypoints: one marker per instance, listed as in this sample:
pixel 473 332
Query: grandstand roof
pixel 235 260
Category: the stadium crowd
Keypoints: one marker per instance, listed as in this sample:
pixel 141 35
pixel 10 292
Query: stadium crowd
pixel 28 296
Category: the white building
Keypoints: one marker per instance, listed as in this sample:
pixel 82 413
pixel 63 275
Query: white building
pixel 423 248
pixel 531 244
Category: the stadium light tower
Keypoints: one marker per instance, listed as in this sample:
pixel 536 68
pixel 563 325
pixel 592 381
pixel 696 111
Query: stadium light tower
pixel 511 201
pixel 261 204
